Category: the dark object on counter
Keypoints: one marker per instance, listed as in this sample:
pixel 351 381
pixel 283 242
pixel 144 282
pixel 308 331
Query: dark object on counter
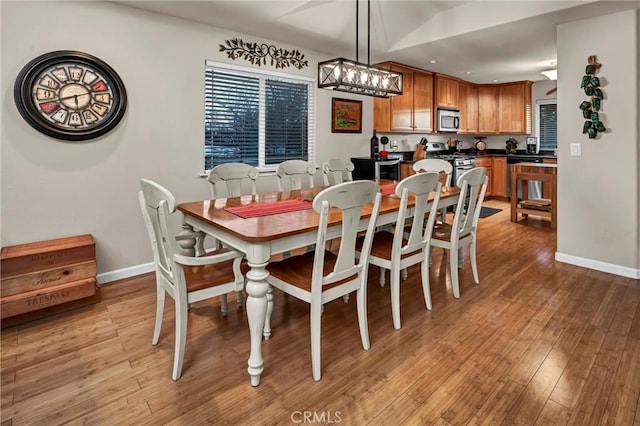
pixel 480 145
pixel 374 147
pixel 511 145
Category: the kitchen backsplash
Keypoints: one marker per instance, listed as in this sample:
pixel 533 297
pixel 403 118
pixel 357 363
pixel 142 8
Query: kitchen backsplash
pixel 408 142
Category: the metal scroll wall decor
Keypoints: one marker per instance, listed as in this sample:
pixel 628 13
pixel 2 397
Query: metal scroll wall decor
pixel 257 54
pixel 591 108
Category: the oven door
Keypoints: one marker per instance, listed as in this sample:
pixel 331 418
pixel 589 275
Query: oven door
pixel 388 169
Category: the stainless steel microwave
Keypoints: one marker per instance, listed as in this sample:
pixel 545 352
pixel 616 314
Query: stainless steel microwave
pixel 448 120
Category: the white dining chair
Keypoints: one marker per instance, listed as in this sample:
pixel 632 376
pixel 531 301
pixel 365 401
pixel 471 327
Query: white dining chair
pixel 337 170
pixel 395 251
pixel 232 180
pixel 463 230
pixel 187 279
pixel 321 276
pixel 295 174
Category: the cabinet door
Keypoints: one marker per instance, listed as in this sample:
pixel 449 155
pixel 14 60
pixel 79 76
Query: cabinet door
pixel 402 106
pixel 487 163
pixel 468 98
pixel 514 106
pixel 422 102
pixel 406 170
pixel 446 92
pixel 499 187
pixel 382 114
pixel 487 109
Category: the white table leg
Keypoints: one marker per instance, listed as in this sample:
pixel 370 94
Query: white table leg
pixel 256 306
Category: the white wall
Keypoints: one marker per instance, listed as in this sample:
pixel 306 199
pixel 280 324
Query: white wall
pixel 52 188
pixel 598 192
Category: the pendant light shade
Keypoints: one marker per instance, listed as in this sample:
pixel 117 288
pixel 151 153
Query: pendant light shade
pixel 356 77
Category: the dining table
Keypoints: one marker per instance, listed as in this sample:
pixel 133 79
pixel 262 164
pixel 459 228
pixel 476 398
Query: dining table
pixel 274 223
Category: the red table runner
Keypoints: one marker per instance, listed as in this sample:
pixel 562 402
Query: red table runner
pixel 266 209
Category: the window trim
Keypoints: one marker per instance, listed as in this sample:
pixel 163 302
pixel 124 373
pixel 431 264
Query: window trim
pixel 262 73
pixel 539 102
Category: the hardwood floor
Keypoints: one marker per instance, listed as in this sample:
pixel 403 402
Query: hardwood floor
pixel 536 343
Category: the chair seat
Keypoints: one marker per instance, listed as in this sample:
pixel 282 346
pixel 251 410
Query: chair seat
pixel 382 245
pixel 442 231
pixel 297 270
pixel 200 277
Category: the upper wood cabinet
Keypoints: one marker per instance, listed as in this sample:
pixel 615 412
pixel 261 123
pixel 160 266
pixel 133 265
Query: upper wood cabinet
pixel 514 106
pixel 468 99
pixel 446 92
pixel 410 112
pixel 487 109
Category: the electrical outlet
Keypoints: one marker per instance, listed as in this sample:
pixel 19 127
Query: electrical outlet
pixel 576 150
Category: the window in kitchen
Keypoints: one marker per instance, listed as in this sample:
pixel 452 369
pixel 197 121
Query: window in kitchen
pixel 257 117
pixel 547 119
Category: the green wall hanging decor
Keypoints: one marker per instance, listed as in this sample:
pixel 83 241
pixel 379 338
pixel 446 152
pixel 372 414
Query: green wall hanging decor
pixel 591 108
pixel 257 54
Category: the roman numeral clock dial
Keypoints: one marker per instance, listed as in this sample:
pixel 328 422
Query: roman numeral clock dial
pixel 70 95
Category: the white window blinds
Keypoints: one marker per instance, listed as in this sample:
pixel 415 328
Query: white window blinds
pixel 548 124
pixel 256 117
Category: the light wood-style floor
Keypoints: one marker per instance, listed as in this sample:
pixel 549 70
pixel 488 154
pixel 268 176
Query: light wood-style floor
pixel 536 343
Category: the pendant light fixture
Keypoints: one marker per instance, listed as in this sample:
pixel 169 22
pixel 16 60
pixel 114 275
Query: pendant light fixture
pixel 345 75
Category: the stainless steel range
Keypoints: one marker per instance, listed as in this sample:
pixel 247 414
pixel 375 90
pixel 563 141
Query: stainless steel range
pixel 461 162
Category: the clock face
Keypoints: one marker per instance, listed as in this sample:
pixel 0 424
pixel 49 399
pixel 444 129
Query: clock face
pixel 70 95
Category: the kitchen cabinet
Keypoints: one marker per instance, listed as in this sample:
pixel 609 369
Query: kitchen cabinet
pixel 487 163
pixel 446 92
pixel 468 99
pixel 487 110
pixel 410 112
pixel 514 108
pixel 499 171
pixel 546 186
pixel 406 170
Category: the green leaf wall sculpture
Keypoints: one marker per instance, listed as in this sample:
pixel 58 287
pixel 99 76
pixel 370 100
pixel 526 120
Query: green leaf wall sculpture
pixel 591 108
pixel 257 54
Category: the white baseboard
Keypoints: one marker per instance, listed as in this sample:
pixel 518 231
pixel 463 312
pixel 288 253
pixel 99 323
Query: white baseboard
pixel 132 271
pixel 598 265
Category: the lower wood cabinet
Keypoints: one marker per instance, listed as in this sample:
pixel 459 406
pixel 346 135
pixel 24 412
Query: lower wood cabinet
pixel 487 163
pixel 406 170
pixel 499 188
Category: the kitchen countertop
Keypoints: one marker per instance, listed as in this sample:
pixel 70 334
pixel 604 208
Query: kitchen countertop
pixel 520 155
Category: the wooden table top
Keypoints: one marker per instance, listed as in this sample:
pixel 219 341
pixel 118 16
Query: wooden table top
pixel 281 225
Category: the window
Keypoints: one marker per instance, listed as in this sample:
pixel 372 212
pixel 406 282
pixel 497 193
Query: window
pixel 256 117
pixel 547 119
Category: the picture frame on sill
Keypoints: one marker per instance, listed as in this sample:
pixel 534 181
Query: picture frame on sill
pixel 346 116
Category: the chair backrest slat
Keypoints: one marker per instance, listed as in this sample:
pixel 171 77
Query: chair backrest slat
pixel 348 199
pixel 234 178
pixel 435 165
pixel 295 174
pixel 473 186
pixel 337 170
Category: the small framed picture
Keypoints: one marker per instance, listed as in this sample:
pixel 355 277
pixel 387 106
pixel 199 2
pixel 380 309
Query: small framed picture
pixel 346 116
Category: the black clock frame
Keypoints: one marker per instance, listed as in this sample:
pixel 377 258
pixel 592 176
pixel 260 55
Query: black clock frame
pixel 22 93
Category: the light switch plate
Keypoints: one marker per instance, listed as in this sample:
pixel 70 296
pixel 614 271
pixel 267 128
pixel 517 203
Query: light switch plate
pixel 576 149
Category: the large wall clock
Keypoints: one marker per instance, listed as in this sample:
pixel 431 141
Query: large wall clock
pixel 70 95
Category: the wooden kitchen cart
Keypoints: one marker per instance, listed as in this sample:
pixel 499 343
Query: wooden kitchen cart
pixel 521 174
pixel 47 277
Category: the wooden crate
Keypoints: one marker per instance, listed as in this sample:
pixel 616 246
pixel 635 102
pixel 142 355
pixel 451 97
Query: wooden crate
pixel 47 277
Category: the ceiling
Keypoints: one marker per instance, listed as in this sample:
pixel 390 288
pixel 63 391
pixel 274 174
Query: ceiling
pixel 482 41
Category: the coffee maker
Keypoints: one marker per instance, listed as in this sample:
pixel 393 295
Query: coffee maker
pixel 533 146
